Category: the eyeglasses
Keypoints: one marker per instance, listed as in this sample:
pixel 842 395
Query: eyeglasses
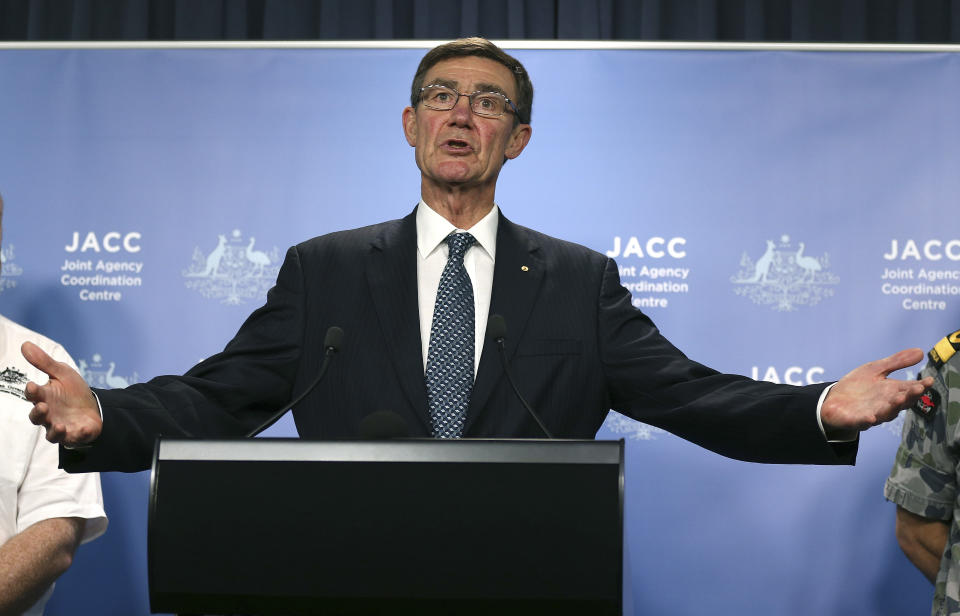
pixel 487 104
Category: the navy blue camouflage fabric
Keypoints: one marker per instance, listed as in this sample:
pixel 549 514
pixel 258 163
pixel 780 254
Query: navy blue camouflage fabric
pixel 924 478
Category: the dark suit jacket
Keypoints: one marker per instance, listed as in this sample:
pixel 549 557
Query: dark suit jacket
pixel 577 346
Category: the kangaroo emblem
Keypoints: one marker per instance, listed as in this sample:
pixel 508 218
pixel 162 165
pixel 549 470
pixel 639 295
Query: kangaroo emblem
pixel 762 268
pixel 213 259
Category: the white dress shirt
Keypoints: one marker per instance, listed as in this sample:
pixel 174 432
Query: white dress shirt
pixel 432 230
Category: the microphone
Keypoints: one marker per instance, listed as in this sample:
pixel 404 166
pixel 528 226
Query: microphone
pixel 497 329
pixel 331 344
pixel 383 425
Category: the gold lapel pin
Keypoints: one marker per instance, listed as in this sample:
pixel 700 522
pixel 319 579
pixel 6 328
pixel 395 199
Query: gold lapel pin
pixel 524 268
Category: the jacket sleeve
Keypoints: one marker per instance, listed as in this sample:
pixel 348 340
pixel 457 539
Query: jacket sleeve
pixel 652 381
pixel 225 395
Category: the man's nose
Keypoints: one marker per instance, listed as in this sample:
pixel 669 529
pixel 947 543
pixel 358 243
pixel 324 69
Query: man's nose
pixel 461 112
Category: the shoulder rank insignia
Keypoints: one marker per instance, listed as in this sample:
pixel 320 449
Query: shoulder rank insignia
pixel 928 403
pixel 945 349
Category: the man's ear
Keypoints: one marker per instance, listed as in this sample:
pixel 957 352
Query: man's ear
pixel 410 125
pixel 519 139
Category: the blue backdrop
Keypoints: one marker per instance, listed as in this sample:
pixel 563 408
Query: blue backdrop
pixel 779 213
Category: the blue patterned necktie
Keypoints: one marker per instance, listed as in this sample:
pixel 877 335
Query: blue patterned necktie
pixel 450 358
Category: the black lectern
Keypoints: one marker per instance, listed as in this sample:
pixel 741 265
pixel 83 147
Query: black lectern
pixel 278 526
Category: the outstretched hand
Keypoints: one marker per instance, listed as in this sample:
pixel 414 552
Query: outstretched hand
pixel 65 406
pixel 865 397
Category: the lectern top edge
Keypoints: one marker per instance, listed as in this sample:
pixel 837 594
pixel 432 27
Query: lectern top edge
pixel 404 450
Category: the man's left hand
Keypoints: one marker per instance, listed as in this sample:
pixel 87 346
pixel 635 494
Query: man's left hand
pixel 865 397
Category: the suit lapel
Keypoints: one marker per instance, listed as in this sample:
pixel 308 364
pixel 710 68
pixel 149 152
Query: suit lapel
pixel 392 278
pixel 517 276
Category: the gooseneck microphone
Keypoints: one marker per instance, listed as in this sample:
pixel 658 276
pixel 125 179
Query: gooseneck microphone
pixel 331 344
pixel 497 329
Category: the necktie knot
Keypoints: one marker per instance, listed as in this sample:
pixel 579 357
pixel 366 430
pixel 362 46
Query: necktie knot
pixel 458 244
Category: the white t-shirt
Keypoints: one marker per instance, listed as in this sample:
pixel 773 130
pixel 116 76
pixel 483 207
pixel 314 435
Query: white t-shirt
pixel 32 488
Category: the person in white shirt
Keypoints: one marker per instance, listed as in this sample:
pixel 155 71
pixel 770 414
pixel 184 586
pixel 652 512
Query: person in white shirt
pixel 44 512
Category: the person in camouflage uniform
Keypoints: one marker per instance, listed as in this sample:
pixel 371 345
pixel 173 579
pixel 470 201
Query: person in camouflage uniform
pixel 924 479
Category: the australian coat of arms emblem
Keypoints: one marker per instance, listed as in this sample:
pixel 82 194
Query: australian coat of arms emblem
pixel 785 276
pixel 234 270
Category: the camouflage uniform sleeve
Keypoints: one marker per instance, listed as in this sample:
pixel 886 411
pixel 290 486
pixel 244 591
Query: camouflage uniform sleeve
pixel 923 479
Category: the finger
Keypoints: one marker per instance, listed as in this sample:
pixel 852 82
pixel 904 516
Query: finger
pixel 914 389
pixel 38 414
pixel 899 360
pixel 33 392
pixel 56 433
pixel 39 358
pixel 899 402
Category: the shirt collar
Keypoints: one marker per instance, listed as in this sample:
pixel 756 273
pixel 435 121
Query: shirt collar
pixel 432 229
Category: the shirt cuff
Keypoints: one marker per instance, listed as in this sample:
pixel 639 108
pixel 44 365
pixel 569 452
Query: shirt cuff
pixel 100 408
pixel 841 436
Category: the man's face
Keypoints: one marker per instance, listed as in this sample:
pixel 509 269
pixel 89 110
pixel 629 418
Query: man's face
pixel 458 147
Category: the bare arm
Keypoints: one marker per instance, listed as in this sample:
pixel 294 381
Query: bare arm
pixel 922 540
pixel 32 560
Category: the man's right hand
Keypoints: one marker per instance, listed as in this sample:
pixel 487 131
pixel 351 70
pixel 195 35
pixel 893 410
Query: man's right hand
pixel 65 406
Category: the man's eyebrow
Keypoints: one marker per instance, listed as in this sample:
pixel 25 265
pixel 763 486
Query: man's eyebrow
pixel 490 87
pixel 440 81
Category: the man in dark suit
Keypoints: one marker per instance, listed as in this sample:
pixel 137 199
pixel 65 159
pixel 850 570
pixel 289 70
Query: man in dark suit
pixel 577 345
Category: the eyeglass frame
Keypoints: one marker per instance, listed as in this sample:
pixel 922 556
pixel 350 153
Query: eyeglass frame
pixel 513 106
